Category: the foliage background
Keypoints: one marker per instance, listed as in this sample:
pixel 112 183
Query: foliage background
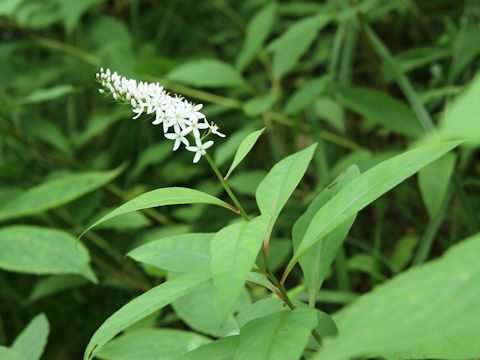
pixel 341 90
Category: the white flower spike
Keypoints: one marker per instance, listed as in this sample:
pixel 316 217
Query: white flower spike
pixel 170 111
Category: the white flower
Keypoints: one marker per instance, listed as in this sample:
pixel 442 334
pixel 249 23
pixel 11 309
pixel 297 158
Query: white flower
pixel 194 127
pixel 199 149
pixel 178 137
pixel 214 130
pixel 160 118
pixel 151 98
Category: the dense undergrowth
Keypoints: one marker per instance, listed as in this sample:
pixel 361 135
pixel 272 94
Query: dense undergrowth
pixel 364 80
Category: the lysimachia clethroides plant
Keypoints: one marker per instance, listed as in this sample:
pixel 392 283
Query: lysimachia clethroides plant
pixel 283 326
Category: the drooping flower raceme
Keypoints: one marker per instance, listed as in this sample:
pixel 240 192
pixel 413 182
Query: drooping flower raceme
pixel 181 120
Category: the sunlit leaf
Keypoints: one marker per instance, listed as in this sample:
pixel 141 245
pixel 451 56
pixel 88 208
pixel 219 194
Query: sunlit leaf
pixel 365 189
pixel 152 344
pixel 163 197
pixel 143 306
pixel 316 262
pixel 400 323
pixel 282 335
pixel 233 251
pixel 221 349
pixel 274 191
pixel 245 146
pixel 177 253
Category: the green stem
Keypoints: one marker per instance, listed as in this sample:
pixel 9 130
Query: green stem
pixel 227 187
pixel 284 295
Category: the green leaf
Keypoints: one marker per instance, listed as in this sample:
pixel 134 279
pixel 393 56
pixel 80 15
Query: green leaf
pixel 207 73
pixel 42 95
pixel 228 148
pixel 316 262
pixel 365 189
pixel 433 181
pixel 330 111
pixel 257 32
pixel 273 192
pixel 460 120
pixel 9 354
pixel 261 308
pixel 281 335
pixel 38 250
pixel 243 150
pixel 380 108
pixel 98 124
pixel 8 7
pixel 152 344
pixel 403 252
pixel 221 349
pixel 162 197
pixel 51 134
pixel 207 318
pixel 142 306
pixel 177 253
pixel 466 47
pixel 152 155
pixel 403 316
pixel 54 193
pixel 307 93
pixel 31 342
pixel 233 251
pixel 54 284
pixel 365 263
pixel 72 11
pixel 291 45
pixel 129 221
pixel 258 105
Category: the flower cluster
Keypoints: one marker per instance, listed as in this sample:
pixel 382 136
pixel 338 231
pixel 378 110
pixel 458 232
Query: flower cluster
pixel 181 119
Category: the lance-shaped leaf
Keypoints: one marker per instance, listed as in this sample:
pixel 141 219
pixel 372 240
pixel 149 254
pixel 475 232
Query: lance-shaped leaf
pixel 245 146
pixel 221 349
pixel 380 108
pixel 207 318
pixel 428 312
pixel 31 342
pixel 257 32
pixel 54 193
pixel 316 262
pixel 282 335
pixel 152 344
pixel 207 73
pixel 274 191
pixel 233 251
pixel 38 250
pixel 143 306
pixel 178 253
pixel 433 181
pixel 163 197
pixel 364 190
pixel 293 43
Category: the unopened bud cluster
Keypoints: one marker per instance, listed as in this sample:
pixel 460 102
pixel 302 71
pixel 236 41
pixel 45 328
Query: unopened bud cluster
pixel 180 118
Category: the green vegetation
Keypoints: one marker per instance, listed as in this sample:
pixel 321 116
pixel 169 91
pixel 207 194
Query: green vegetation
pixel 331 210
